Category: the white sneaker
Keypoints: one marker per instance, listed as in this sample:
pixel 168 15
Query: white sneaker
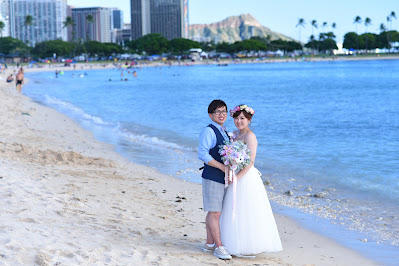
pixel 222 253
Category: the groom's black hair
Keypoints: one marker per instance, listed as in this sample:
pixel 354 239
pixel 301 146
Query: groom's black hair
pixel 215 104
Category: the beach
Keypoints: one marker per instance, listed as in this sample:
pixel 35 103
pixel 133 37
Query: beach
pixel 68 199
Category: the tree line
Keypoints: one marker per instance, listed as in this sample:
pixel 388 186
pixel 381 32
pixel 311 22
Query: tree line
pixel 149 44
pixel 352 40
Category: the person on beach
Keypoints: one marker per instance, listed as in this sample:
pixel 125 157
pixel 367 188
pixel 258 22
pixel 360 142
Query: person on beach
pixel 10 78
pixel 247 224
pixel 213 184
pixel 19 80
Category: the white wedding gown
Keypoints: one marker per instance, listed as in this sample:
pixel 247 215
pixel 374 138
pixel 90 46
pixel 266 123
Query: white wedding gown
pixel 253 229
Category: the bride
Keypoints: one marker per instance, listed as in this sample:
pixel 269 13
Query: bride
pixel 247 227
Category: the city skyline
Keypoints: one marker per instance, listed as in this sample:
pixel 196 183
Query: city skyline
pixel 282 16
pixel 168 18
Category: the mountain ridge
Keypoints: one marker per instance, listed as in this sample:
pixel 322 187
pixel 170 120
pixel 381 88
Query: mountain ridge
pixel 232 29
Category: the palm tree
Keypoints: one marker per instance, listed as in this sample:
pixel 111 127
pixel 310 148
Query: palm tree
pixel 314 25
pixel 69 23
pixel 301 23
pixel 388 33
pixel 27 23
pixel 333 26
pixel 392 15
pixel 2 25
pixel 90 21
pixel 367 22
pixel 390 18
pixel 357 20
pixel 324 25
pixel 382 27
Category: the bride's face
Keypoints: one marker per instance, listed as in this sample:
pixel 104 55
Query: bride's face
pixel 241 122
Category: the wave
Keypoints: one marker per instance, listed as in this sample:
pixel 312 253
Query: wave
pixel 139 138
pixel 68 107
pixel 151 141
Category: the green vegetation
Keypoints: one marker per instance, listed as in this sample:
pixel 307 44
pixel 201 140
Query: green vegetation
pixel 253 44
pixel 151 44
pixel 11 46
pixel 370 40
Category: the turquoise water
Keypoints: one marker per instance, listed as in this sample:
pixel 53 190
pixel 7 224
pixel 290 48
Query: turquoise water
pixel 331 126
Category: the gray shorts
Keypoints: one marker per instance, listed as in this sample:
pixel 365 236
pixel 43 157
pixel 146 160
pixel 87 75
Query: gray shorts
pixel 212 195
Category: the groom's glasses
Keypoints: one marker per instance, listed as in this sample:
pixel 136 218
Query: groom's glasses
pixel 220 113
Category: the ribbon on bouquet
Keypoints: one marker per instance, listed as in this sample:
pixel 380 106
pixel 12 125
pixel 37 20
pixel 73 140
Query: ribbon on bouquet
pixel 230 175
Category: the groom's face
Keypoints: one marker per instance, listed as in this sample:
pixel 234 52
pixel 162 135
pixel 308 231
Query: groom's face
pixel 219 116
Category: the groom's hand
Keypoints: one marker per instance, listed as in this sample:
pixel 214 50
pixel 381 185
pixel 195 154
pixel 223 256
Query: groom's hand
pixel 216 164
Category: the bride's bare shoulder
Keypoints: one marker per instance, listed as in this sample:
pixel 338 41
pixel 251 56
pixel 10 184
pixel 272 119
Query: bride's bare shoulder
pixel 251 137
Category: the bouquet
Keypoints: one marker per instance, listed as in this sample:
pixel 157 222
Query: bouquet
pixel 235 155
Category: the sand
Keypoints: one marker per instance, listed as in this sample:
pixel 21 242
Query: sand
pixel 68 199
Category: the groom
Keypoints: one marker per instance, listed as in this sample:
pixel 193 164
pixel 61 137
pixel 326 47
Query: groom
pixel 213 188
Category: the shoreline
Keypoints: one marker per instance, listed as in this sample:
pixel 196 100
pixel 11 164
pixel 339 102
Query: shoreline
pixel 83 66
pixel 74 195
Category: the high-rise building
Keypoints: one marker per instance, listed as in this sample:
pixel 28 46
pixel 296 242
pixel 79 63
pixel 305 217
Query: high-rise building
pixel 123 34
pixel 47 22
pixel 167 17
pixel 5 17
pixel 92 23
pixel 117 18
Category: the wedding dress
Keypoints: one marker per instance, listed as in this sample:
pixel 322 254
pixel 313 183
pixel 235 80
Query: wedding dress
pixel 253 229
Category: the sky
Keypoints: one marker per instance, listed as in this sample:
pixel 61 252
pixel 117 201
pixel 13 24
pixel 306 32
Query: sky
pixel 282 15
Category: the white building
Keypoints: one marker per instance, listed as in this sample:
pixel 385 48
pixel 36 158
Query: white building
pixel 123 34
pixel 48 20
pixel 5 17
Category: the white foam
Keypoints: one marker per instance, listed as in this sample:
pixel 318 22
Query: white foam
pixel 151 141
pixel 76 110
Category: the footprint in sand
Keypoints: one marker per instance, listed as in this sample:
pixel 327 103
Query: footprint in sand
pixel 151 231
pixel 42 259
pixel 28 220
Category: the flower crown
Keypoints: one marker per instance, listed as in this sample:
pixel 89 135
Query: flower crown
pixel 240 108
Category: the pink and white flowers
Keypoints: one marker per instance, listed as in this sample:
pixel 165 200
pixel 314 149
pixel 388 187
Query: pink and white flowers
pixel 235 155
pixel 242 107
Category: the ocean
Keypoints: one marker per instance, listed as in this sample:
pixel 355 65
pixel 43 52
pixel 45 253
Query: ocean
pixel 327 131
